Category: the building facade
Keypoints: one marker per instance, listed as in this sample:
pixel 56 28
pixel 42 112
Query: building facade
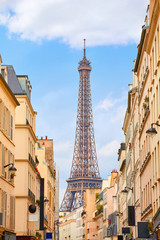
pixel 44 152
pixel 8 105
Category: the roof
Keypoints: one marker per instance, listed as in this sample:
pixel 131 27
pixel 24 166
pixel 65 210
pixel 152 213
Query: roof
pixel 140 49
pixel 13 81
pixel 8 88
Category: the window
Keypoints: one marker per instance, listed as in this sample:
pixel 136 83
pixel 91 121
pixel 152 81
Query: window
pixel 3 161
pixel 9 161
pixel 11 134
pixel 12 212
pixel 4 206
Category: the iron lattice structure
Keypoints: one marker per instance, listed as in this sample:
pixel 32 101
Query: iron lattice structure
pixel 84 172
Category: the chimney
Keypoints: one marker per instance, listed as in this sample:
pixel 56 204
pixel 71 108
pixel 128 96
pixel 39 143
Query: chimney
pixel 46 137
pixel 41 138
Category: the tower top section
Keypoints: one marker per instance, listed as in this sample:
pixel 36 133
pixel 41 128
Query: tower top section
pixel 84 64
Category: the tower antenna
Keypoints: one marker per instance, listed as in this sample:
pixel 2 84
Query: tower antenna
pixel 84 47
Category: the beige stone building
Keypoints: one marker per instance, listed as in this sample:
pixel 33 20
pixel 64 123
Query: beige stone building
pixel 44 152
pixel 131 172
pixel 90 227
pixel 153 58
pixel 121 184
pixel 142 66
pixel 25 160
pixel 79 223
pixel 8 104
pixel 67 226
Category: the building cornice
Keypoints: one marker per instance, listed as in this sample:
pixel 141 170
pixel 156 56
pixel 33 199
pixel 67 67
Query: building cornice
pixel 1 131
pixel 24 126
pixel 153 23
pixel 67 222
pixel 24 96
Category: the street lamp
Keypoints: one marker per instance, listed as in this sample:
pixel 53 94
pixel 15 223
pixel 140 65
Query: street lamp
pixel 11 169
pixel 118 214
pixel 152 131
pixel 46 199
pixel 126 191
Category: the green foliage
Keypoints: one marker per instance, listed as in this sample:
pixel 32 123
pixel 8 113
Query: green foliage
pixel 38 202
pixel 97 196
pixel 146 99
pixel 99 207
pixel 38 234
pixel 150 226
pixel 144 105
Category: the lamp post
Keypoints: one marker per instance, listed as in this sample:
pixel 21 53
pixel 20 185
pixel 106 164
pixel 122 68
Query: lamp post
pixel 152 131
pixel 126 191
pixel 11 169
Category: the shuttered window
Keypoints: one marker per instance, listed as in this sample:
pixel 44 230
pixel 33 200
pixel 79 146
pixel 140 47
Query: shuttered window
pixel 3 161
pixel 3 117
pixel 12 212
pixel 4 206
pixel 11 134
pixel 9 124
pixel 9 161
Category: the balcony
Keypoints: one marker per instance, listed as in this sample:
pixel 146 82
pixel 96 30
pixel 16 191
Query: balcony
pixel 36 160
pixel 144 120
pixel 32 161
pixel 146 210
pixel 31 195
pixel 97 213
pixel 145 162
pixel 145 76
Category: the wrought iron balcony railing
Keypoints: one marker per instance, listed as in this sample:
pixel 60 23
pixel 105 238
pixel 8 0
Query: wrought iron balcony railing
pixel 32 161
pixel 31 195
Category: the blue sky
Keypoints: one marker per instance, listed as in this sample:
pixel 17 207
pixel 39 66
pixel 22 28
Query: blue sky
pixel 44 39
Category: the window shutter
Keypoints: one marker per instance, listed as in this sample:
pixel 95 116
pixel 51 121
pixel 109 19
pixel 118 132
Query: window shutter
pixel 9 161
pixel 11 127
pixel 4 206
pixel 3 160
pixel 5 210
pixel 9 124
pixel 3 117
pixel 12 212
pixel 5 110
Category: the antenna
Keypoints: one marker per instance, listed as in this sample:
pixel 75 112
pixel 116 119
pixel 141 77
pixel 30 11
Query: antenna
pixel 84 47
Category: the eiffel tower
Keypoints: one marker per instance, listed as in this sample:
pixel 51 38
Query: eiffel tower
pixel 84 172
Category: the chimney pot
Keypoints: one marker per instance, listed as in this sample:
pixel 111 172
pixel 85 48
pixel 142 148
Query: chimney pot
pixel 41 138
pixel 46 137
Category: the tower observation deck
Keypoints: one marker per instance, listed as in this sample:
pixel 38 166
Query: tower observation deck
pixel 84 171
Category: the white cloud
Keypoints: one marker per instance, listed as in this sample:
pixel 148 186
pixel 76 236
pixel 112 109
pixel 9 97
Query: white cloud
pixel 110 102
pixel 119 114
pixel 102 22
pixel 110 149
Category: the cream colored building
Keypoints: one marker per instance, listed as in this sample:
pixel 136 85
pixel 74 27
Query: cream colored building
pixel 67 227
pixel 153 57
pixel 25 161
pixel 79 223
pixel 142 71
pixel 44 152
pixel 8 104
pixel 121 183
pixel 90 226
